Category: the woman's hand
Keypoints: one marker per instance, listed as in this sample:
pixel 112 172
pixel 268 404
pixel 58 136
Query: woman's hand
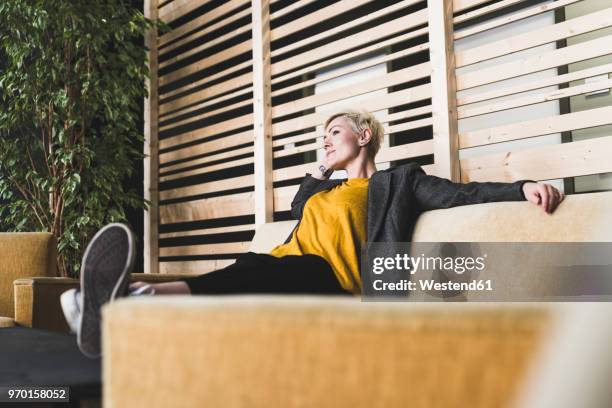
pixel 543 195
pixel 322 170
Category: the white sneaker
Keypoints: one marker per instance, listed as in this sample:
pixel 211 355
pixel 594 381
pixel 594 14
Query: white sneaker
pixel 71 306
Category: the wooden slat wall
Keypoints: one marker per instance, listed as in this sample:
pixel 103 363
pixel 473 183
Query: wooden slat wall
pixel 547 162
pixel 240 104
pixel 206 131
pixel 239 118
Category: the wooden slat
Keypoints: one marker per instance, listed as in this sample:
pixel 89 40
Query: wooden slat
pixel 498 22
pixel 290 8
pixel 207 169
pixel 219 90
pixel 208 231
pixel 207 45
pixel 210 187
pixel 467 112
pixel 417 93
pixel 334 47
pixel 346 26
pixel 576 26
pixel 210 102
pixel 209 208
pixel 208 62
pixel 209 114
pixel 537 84
pixel 297 138
pixel 209 159
pixel 500 5
pixel 444 100
pixel 151 150
pixel 538 127
pixel 405 151
pixel 287 173
pixel 542 163
pixel 193 29
pixel 200 82
pixel 262 112
pixel 460 5
pixel 349 69
pixel 325 13
pixel 225 126
pixel 415 124
pixel 551 59
pixel 194 267
pixel 179 8
pixel 207 147
pixel 206 249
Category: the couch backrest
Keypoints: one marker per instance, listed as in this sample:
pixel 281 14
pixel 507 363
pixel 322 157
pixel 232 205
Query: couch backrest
pixel 23 255
pixel 270 235
pixel 579 218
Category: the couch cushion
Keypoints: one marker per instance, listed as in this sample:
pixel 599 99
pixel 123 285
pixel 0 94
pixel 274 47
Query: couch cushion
pixel 23 255
pixel 579 218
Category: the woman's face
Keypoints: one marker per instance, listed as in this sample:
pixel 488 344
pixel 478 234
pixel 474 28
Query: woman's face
pixel 341 143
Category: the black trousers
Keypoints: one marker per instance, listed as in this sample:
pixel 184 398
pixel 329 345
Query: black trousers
pixel 262 273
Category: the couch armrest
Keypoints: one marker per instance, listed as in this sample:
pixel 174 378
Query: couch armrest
pixel 266 351
pixel 23 254
pixel 37 302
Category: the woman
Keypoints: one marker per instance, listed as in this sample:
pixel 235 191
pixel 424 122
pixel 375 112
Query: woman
pixel 322 254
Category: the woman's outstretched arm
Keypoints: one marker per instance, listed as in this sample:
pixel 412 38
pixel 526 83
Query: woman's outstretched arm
pixel 433 192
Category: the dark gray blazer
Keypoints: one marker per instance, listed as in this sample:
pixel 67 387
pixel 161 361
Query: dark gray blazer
pixel 397 196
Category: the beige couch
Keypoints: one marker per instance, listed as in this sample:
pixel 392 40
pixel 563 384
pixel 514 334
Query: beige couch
pixel 315 351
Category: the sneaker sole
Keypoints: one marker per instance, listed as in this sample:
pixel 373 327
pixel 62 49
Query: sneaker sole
pixel 107 263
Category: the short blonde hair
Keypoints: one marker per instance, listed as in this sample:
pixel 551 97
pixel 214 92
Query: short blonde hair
pixel 361 120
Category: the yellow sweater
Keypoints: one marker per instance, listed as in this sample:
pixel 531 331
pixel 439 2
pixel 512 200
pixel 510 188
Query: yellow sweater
pixel 333 226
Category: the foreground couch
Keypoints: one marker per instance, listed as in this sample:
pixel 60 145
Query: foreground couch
pixel 315 351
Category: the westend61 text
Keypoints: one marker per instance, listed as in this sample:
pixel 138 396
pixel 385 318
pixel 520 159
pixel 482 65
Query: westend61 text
pixel 432 285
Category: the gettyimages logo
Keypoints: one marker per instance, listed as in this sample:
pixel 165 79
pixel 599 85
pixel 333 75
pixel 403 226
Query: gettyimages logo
pixel 487 271
pixel 445 270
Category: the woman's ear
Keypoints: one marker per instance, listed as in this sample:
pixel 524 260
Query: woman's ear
pixel 365 137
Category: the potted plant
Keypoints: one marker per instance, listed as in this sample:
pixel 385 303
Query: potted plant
pixel 72 77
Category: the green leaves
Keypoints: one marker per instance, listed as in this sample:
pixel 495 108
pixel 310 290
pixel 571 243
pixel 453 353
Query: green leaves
pixel 71 89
